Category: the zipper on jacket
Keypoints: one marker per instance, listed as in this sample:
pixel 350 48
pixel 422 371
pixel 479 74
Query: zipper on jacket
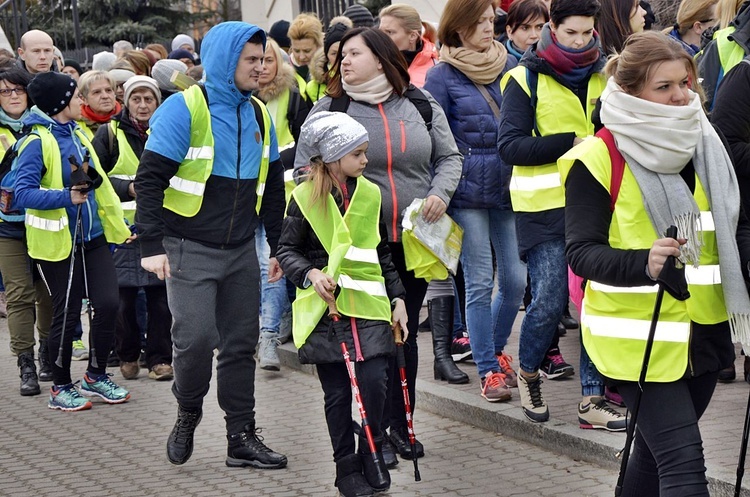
pixel 403 136
pixel 389 155
pixel 237 182
pixel 355 336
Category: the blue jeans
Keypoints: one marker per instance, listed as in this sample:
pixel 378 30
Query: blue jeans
pixel 592 382
pixel 273 296
pixel 548 273
pixel 490 319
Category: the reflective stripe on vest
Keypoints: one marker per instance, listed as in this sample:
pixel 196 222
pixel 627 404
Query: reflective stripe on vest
pixel 46 236
pixel 557 110
pixel 616 317
pixel 351 242
pixel 125 167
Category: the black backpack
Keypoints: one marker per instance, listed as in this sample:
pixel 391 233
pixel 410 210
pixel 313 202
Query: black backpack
pixel 414 94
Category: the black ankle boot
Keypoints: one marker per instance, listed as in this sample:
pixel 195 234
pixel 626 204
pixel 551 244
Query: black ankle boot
pixel 246 448
pixel 441 321
pixel 45 366
pixel 29 380
pixel 349 478
pixel 374 468
pixel 400 440
pixel 180 442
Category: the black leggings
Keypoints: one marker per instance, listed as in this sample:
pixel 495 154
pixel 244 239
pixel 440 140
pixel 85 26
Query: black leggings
pixel 103 295
pixel 667 458
pixel 158 336
pixel 416 288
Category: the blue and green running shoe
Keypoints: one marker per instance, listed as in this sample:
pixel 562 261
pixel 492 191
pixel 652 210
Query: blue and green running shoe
pixel 102 386
pixel 67 398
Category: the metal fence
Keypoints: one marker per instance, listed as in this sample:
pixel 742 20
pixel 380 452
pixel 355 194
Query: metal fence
pixel 326 9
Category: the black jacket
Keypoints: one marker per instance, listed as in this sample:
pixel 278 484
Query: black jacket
pixel 300 251
pixel 518 146
pixel 108 157
pixel 587 222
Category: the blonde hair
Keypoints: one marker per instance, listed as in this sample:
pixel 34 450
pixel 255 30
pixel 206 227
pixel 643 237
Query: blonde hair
pixel 158 48
pixel 409 19
pixel 641 54
pixel 87 78
pixel 139 61
pixel 692 11
pixel 306 26
pixel 726 10
pixel 323 184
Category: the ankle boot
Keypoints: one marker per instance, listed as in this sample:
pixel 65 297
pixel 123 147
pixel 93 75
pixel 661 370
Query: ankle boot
pixel 441 321
pixel 374 468
pixel 29 380
pixel 45 366
pixel 349 478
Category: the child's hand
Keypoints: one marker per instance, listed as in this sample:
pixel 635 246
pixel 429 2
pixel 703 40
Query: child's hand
pixel 399 317
pixel 322 283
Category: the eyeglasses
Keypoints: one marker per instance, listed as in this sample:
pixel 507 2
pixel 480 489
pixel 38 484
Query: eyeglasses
pixel 5 92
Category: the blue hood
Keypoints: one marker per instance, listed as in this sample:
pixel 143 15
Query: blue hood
pixel 220 51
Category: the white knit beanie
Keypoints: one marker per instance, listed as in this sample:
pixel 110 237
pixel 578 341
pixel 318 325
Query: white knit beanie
pixel 142 82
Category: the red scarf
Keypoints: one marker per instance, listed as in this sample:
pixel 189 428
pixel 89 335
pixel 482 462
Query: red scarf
pixel 89 114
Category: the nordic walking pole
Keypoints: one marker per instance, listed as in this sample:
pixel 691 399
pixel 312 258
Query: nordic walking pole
pixel 671 233
pixel 743 452
pixel 401 362
pixel 333 313
pixel 58 361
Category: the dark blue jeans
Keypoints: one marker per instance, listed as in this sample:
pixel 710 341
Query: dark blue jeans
pixel 667 458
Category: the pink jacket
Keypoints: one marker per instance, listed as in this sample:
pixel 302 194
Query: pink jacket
pixel 422 63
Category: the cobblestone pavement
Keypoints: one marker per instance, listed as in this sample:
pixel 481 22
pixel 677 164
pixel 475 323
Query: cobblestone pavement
pixel 120 450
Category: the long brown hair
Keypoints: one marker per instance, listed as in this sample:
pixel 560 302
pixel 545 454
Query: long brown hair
pixel 642 53
pixel 385 50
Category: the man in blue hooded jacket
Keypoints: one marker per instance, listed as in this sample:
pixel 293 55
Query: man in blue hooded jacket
pixel 208 172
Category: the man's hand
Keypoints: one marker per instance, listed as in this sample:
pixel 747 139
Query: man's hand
pixel 434 207
pixel 274 270
pixel 157 264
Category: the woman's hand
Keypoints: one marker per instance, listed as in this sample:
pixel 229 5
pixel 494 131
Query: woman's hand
pixel 660 251
pixel 77 196
pixel 434 207
pixel 399 318
pixel 322 283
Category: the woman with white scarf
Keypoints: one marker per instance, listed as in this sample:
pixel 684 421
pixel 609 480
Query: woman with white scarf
pixel 677 172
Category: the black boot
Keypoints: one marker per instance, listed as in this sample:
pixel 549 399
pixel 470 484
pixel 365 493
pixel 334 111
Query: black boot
pixel 246 448
pixel 374 468
pixel 569 321
pixel 45 366
pixel 29 380
pixel 441 321
pixel 349 478
pixel 400 440
pixel 180 442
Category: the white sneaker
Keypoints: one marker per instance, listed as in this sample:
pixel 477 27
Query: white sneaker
pixel 598 415
pixel 268 356
pixel 80 352
pixel 532 402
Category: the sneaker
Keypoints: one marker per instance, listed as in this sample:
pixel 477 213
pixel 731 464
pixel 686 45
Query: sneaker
pixel 246 448
pixel 161 372
pixel 129 370
pixel 268 356
pixel 103 387
pixel 80 352
pixel 461 348
pixel 613 397
pixel 505 361
pixel 532 402
pixel 596 414
pixel 727 375
pixel 494 388
pixel 67 398
pixel 554 366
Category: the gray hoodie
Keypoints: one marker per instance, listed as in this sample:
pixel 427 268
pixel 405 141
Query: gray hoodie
pixel 405 160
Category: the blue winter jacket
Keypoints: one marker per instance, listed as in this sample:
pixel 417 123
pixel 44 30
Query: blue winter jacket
pixel 31 168
pixel 485 177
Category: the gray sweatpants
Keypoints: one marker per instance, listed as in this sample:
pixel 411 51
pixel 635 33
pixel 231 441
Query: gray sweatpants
pixel 214 298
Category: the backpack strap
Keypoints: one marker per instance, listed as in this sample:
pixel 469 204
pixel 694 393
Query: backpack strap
pixel 339 104
pixel 419 100
pixel 618 165
pixel 293 108
pixel 256 107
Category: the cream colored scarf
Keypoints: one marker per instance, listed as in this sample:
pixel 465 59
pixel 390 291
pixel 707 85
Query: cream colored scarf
pixel 482 68
pixel 372 92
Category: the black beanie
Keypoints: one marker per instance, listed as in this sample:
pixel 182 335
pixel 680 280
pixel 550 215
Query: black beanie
pixel 74 64
pixel 360 16
pixel 51 91
pixel 334 34
pixel 279 34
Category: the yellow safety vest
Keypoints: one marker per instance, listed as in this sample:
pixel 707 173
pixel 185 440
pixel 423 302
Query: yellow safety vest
pixel 615 321
pixel 125 167
pixel 557 110
pixel 730 53
pixel 48 235
pixel 7 138
pixel 351 242
pixel 281 122
pixel 184 196
pixel 86 130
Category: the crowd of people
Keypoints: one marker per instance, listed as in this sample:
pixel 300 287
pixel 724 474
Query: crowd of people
pixel 236 194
